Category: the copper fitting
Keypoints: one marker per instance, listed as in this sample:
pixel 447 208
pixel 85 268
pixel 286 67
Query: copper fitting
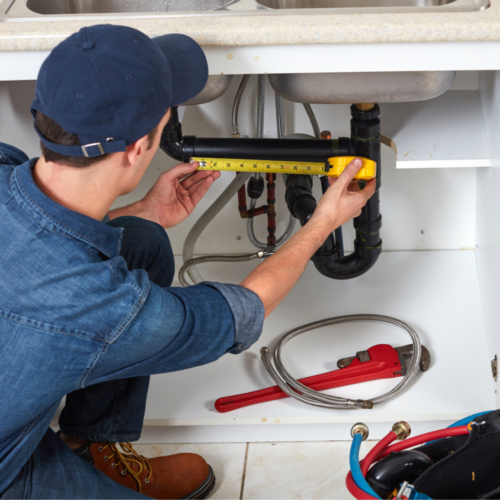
pixel 366 106
pixel 402 430
pixel 250 214
pixel 326 134
pixel 360 428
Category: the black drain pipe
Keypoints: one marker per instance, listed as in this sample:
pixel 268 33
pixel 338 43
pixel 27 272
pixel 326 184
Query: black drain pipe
pixel 182 148
pixel 365 142
pixel 365 139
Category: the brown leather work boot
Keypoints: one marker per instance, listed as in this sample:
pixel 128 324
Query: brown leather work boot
pixel 185 475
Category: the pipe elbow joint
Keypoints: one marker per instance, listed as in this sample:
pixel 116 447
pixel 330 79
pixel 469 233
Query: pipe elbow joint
pixel 172 149
pixel 350 266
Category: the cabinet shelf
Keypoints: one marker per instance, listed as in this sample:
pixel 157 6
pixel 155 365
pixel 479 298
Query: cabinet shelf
pixel 445 132
pixel 435 292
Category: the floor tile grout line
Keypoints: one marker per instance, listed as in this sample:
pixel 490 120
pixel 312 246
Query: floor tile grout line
pixel 244 472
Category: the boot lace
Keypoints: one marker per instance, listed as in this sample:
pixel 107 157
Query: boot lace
pixel 130 460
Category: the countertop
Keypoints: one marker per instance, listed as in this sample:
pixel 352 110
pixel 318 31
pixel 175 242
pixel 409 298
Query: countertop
pixel 214 30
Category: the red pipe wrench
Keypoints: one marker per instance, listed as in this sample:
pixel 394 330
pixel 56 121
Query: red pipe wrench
pixel 378 362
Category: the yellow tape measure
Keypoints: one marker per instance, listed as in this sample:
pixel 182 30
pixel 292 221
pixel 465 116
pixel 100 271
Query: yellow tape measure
pixel 337 165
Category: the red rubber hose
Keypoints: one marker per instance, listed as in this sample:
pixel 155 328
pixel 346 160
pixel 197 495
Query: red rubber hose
pixel 376 451
pixel 383 448
pixel 354 490
pixel 424 438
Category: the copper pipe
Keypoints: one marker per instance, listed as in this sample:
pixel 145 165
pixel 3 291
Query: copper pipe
pixel 242 200
pixel 254 212
pixel 243 209
pixel 271 213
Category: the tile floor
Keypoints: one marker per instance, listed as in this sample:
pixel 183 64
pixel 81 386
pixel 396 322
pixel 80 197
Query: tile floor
pixel 315 470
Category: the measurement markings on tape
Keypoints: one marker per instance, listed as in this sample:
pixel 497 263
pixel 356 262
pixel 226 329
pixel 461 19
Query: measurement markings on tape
pixel 333 167
pixel 271 167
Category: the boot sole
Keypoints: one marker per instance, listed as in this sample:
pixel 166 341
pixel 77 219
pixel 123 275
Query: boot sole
pixel 203 491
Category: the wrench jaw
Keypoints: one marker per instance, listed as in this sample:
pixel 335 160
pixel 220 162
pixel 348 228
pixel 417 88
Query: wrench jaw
pixel 405 354
pixel 363 356
pixel 345 362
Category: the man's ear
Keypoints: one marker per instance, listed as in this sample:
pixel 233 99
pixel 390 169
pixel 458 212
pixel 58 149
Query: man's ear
pixel 136 150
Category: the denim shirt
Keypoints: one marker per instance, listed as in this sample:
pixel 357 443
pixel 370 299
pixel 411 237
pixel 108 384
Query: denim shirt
pixel 72 314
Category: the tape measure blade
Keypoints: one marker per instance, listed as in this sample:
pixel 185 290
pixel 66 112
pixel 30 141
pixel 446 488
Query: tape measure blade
pixel 261 166
pixel 337 166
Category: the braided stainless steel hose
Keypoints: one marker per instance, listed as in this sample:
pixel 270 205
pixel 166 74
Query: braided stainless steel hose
pixel 261 103
pixel 278 100
pixel 215 258
pixel 312 119
pixel 298 391
pixel 236 105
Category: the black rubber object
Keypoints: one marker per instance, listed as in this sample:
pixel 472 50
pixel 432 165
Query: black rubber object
pixel 386 476
pixel 255 187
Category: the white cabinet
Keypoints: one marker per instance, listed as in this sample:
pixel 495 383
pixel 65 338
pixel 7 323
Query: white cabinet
pixel 439 272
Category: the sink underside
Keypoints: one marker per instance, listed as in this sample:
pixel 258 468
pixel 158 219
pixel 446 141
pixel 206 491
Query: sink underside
pixel 348 88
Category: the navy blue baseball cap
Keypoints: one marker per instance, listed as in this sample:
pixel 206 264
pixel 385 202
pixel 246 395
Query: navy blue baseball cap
pixel 111 85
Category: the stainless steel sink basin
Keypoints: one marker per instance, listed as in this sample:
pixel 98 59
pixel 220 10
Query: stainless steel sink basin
pixel 33 10
pixel 348 88
pixel 354 4
pixel 54 7
pixel 215 87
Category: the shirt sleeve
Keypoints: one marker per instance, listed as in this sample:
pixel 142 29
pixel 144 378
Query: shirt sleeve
pixel 180 328
pixel 9 155
pixel 248 314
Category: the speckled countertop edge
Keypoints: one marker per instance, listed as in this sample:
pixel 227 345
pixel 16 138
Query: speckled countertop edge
pixel 251 30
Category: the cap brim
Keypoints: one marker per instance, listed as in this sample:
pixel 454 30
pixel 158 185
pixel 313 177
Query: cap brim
pixel 188 63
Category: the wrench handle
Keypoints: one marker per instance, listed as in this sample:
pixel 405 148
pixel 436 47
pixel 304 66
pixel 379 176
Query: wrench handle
pixel 384 363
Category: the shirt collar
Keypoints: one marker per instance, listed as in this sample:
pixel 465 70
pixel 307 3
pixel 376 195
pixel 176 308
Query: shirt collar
pixel 55 217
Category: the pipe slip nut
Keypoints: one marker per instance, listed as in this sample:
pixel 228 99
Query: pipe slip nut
pixel 402 430
pixel 360 428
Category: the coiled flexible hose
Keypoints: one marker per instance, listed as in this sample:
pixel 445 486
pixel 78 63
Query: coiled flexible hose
pixel 302 393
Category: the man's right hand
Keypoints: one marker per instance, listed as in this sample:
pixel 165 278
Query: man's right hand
pixel 275 277
pixel 344 199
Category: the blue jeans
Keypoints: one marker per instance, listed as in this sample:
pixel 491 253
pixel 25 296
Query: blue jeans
pixel 110 411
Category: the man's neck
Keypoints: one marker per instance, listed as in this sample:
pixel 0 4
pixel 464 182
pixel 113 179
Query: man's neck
pixel 87 190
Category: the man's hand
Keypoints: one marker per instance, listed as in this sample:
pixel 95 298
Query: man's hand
pixel 275 277
pixel 173 197
pixel 344 199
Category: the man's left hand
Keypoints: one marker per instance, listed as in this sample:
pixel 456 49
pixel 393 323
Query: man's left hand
pixel 173 197
pixel 177 192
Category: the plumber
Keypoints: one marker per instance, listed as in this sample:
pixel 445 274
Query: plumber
pixel 87 310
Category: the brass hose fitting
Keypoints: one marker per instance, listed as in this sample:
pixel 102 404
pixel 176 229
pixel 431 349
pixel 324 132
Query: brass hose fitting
pixel 360 428
pixel 402 430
